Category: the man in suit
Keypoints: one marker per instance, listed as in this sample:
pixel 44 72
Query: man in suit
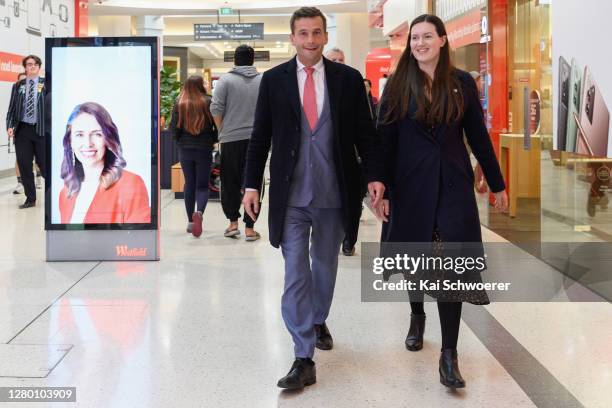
pixel 352 230
pixel 313 113
pixel 25 122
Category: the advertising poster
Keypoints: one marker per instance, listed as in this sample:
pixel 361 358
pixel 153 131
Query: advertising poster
pixel 24 25
pixel 101 146
pixel 583 86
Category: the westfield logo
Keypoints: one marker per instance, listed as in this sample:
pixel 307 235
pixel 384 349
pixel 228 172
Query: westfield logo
pixel 124 251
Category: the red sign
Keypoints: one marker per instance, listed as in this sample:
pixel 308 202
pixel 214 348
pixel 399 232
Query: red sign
pixel 378 63
pixel 465 30
pixel 10 66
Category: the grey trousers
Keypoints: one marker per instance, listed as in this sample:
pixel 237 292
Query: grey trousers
pixel 310 273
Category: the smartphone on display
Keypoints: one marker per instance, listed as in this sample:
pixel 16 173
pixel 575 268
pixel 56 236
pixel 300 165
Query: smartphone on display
pixel 34 16
pixel 594 120
pixel 575 101
pixel 564 85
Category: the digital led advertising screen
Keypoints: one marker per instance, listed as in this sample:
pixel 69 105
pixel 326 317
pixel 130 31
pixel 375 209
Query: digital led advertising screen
pixel 102 149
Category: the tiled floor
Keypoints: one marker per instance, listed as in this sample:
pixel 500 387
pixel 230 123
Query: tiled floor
pixel 202 328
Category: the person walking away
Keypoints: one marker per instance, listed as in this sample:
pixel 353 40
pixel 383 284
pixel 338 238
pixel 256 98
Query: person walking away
pixel 195 133
pixel 233 108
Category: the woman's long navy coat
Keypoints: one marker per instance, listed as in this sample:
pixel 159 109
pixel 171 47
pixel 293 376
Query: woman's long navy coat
pixel 430 181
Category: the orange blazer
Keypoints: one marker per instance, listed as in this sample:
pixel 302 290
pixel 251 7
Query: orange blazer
pixel 126 201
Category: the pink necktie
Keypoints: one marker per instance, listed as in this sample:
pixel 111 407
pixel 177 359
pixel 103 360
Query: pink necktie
pixel 310 99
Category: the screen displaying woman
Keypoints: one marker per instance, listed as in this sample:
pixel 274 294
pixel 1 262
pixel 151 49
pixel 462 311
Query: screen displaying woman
pixel 97 188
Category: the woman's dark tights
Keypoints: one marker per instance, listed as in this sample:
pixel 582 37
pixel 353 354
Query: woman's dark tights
pixel 450 319
pixel 196 170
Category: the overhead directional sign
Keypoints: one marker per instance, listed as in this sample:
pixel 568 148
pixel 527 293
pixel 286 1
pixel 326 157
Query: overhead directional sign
pixel 228 31
pixel 228 56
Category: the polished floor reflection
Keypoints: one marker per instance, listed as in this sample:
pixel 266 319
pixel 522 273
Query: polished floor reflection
pixel 202 328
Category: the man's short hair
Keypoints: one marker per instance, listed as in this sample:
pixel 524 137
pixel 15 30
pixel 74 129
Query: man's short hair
pixel 244 55
pixel 37 60
pixel 307 12
pixel 336 50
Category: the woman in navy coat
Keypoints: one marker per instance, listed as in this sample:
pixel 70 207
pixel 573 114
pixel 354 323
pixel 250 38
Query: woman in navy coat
pixel 427 106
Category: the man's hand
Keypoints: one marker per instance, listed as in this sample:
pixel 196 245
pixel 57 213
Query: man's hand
pixel 501 201
pixel 376 190
pixel 382 211
pixel 10 133
pixel 250 200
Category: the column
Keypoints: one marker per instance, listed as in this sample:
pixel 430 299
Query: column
pixel 353 37
pixel 151 26
pixel 112 26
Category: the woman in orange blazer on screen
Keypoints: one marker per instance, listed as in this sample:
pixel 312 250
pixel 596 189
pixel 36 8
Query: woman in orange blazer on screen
pixel 97 188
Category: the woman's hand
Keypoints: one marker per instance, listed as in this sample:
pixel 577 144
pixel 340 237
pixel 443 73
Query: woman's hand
pixel 382 210
pixel 501 201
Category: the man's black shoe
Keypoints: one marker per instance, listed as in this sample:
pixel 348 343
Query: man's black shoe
pixel 27 204
pixel 324 338
pixel 348 248
pixel 302 374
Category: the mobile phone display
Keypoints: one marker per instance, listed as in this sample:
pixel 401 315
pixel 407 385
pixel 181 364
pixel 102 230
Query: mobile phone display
pixel 575 101
pixel 594 119
pixel 564 87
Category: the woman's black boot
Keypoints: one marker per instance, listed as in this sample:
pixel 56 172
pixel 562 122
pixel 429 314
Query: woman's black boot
pixel 449 369
pixel 414 339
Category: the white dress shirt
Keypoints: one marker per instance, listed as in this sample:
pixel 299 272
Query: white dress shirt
pixel 319 81
pixel 318 77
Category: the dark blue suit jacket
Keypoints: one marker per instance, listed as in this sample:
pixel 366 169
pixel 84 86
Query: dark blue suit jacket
pixel 430 180
pixel 16 105
pixel 277 125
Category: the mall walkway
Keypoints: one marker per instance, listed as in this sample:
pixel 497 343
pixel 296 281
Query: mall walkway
pixel 202 328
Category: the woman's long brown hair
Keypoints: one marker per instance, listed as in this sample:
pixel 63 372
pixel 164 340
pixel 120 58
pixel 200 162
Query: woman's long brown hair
pixel 193 109
pixel 409 81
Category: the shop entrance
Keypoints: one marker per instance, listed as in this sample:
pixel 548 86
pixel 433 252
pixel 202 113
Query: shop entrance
pixel 526 140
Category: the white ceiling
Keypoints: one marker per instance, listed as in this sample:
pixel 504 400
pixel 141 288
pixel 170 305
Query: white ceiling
pixel 181 15
pixel 182 7
pixel 178 31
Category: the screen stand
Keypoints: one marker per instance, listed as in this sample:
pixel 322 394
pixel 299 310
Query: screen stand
pixel 107 245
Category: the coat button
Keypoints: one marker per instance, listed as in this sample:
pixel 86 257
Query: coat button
pixel 450 184
pixel 286 178
pixel 292 153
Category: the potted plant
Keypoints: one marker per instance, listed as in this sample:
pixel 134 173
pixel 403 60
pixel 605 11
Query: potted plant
pixel 169 89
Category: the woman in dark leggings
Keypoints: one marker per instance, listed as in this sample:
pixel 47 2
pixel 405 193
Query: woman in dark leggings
pixel 195 134
pixel 426 107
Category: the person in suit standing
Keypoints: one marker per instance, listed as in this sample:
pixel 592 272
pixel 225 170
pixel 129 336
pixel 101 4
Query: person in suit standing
pixel 313 113
pixel 25 122
pixel 352 230
pixel 427 106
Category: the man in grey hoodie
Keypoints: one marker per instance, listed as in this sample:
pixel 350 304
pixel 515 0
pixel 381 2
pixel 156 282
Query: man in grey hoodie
pixel 233 108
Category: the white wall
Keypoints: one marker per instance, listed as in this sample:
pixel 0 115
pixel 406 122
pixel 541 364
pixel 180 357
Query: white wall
pixel 581 30
pixel 16 40
pixel 398 12
pixel 353 37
